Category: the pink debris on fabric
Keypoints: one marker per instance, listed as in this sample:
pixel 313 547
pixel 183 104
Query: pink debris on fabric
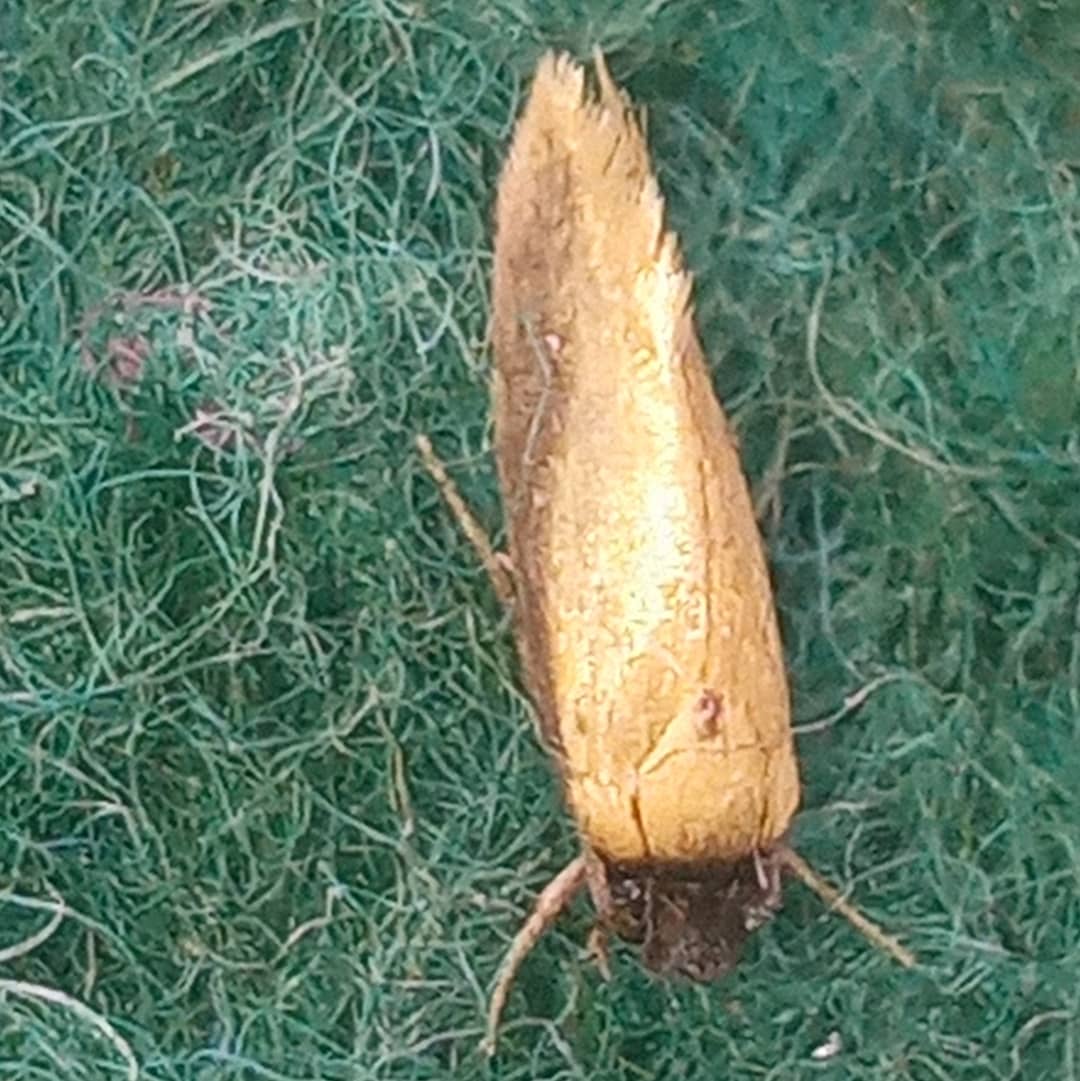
pixel 208 428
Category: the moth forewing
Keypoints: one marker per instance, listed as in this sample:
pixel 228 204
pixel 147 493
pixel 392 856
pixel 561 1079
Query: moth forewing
pixel 642 583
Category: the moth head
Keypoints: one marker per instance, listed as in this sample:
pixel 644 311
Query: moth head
pixel 692 921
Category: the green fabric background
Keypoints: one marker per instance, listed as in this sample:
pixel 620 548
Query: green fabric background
pixel 271 805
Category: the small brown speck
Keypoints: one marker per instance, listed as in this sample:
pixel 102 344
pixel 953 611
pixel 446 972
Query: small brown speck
pixel 707 711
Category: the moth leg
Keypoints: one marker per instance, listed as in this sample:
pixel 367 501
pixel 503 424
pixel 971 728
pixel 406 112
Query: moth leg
pixel 556 895
pixel 762 874
pixel 597 945
pixel 599 951
pixel 497 564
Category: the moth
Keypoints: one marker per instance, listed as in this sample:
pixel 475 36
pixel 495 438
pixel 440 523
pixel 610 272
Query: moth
pixel 642 603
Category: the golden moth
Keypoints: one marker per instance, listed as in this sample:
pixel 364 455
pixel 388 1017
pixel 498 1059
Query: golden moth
pixel 642 604
pixel 644 612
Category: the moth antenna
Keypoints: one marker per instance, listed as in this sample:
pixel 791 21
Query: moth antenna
pixel 494 563
pixel 556 895
pixel 834 899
